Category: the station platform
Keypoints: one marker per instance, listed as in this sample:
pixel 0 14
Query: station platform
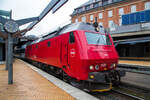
pixel 134 62
pixel 31 83
pixel 2 62
pixel 135 58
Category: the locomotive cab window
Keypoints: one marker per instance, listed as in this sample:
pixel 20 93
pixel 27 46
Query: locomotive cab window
pixel 48 43
pixel 71 38
pixel 97 39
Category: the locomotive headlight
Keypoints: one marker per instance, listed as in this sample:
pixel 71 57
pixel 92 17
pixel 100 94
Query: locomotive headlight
pixel 113 65
pixel 91 67
pixel 92 76
pixel 97 67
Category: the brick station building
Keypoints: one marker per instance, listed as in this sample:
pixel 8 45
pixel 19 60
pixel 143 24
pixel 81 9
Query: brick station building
pixel 108 12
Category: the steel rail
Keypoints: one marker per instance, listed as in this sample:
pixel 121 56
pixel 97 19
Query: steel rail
pixel 129 95
pixel 135 71
pixel 146 90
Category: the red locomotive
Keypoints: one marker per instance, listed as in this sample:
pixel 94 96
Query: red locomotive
pixel 78 52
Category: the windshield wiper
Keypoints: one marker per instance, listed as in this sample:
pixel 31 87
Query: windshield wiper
pixel 97 42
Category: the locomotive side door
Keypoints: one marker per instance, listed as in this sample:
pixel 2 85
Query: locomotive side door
pixel 72 53
pixel 64 50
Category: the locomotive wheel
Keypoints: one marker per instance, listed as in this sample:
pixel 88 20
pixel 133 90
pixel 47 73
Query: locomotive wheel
pixel 39 65
pixel 65 77
pixel 76 83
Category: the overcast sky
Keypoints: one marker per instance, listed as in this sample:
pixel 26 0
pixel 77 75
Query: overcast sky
pixel 31 8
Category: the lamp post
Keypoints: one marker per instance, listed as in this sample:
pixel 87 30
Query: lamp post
pixel 10 27
pixel 6 45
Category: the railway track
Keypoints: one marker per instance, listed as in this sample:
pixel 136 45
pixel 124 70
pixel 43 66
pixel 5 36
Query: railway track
pixel 135 71
pixel 115 95
pixel 136 90
pixel 128 95
pixel 125 92
pixel 135 68
pixel 136 87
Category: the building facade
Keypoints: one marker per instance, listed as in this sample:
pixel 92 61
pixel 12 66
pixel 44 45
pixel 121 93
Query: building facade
pixel 108 12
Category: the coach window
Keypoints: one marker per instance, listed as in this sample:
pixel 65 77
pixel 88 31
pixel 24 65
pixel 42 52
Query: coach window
pixel 71 38
pixel 48 43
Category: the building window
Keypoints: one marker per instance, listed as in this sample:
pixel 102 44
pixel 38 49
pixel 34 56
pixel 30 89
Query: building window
pixel 83 19
pixel 95 5
pixel 100 15
pixel 147 5
pixel 100 3
pixel 112 26
pixel 109 1
pixel 76 20
pixel 91 5
pixel 87 7
pixel 1 27
pixel 83 8
pixel 100 23
pixel 121 11
pixel 91 17
pixel 110 23
pixel 120 21
pixel 133 8
pixel 110 13
pixel 79 10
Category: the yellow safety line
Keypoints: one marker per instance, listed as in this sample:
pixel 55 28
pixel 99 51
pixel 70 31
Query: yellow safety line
pixel 103 90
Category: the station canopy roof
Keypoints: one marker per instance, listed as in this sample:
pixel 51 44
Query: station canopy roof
pixel 4 13
pixel 134 41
